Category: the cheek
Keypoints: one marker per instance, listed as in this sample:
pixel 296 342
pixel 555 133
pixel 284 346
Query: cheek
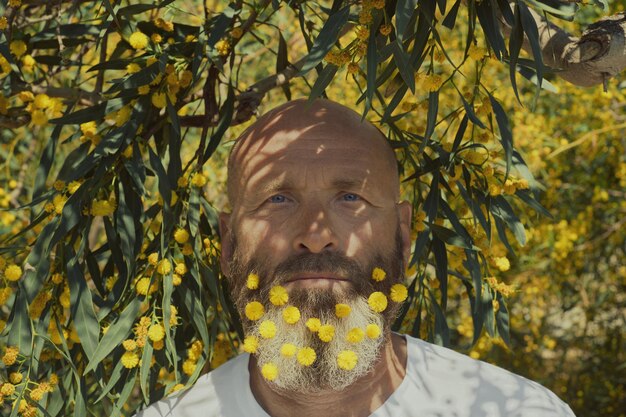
pixel 261 236
pixel 359 238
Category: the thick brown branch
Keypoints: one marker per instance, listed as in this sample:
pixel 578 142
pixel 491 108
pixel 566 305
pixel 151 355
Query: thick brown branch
pixel 599 54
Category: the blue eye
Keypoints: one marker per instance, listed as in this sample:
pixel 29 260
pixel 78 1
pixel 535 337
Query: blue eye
pixel 278 198
pixel 351 197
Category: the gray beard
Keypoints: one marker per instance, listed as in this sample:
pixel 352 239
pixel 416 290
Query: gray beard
pixel 324 373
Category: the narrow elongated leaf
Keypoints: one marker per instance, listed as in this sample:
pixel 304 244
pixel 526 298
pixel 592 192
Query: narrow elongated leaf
pixel 404 12
pixel 450 18
pixel 532 34
pixel 404 65
pixel 324 79
pixel 442 331
pixel 117 332
pixel 20 333
pixel 326 39
pixel 82 309
pixel 502 209
pixel 441 267
pixel 506 135
pixel 515 46
pixel 487 18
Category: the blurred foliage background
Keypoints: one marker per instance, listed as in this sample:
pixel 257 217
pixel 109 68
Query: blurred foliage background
pixel 115 123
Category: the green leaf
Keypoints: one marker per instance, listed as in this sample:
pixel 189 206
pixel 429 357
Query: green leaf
pixel 469 110
pixel 118 330
pixel 532 34
pixel 502 320
pixel 487 17
pixel 503 210
pixel 282 62
pixel 225 118
pixel 506 135
pixel 441 266
pixel 404 11
pixel 442 332
pixel 82 309
pixel 323 80
pixel 404 65
pixel 325 40
pixel 515 45
pixel 450 18
pixel 431 117
pixel 144 371
pixel 20 333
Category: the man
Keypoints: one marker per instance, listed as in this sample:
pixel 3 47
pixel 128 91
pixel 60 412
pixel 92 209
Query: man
pixel 315 249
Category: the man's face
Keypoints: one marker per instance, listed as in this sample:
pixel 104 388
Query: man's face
pixel 315 210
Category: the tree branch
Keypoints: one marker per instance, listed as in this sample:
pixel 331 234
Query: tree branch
pixel 599 54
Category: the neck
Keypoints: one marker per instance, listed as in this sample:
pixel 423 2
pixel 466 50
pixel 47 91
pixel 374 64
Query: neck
pixel 361 398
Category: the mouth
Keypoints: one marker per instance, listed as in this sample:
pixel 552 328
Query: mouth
pixel 316 280
pixel 316 276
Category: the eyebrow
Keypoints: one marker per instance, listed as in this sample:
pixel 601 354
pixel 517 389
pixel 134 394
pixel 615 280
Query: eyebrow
pixel 286 184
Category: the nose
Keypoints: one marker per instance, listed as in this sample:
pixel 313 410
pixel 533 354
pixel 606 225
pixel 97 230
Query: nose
pixel 316 232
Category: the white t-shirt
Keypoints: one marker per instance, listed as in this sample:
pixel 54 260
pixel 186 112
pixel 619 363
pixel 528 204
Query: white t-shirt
pixel 439 382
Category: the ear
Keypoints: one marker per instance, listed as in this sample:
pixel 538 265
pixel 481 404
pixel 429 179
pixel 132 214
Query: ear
pixel 227 243
pixel 404 214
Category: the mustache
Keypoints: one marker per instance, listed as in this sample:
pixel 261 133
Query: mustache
pixel 328 262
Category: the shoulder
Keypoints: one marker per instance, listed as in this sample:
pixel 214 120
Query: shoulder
pixel 452 376
pixel 207 397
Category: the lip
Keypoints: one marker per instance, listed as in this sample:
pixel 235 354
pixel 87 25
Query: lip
pixel 316 276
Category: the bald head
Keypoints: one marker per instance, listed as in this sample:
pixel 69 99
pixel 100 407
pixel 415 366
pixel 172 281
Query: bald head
pixel 320 126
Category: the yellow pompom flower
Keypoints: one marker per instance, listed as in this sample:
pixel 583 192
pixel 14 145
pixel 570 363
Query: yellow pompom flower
pixel 342 310
pixel 181 268
pixel 3 23
pixel 132 68
pixel 347 360
pixel 377 301
pixel 198 180
pixel 267 329
pixel 164 267
pixel 156 332
pixel 143 286
pixel 158 100
pixel 153 258
pixel 138 40
pixel 372 331
pixel 254 310
pixel 222 47
pixel 502 263
pixel 355 335
pixel 41 101
pixel 253 281
pixel 7 389
pixel 288 349
pixel 129 345
pixel 181 236
pixel 291 314
pixel 13 273
pixel 16 377
pixel 306 356
pixel 18 48
pixel 130 359
pixel 269 371
pixel 250 344
pixel 399 293
pixel 313 324
pixel 278 295
pixel 378 274
pixel 326 332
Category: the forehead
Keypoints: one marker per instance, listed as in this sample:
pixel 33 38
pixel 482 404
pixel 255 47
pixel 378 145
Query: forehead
pixel 308 153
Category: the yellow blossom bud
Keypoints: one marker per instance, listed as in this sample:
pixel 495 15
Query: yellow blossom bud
pixel 306 356
pixel 377 301
pixel 355 335
pixel 378 274
pixel 399 293
pixel 372 331
pixel 326 333
pixel 254 310
pixel 313 324
pixel 267 329
pixel 288 349
pixel 342 310
pixel 269 371
pixel 347 360
pixel 138 40
pixel 250 344
pixel 253 281
pixel 291 315
pixel 278 295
